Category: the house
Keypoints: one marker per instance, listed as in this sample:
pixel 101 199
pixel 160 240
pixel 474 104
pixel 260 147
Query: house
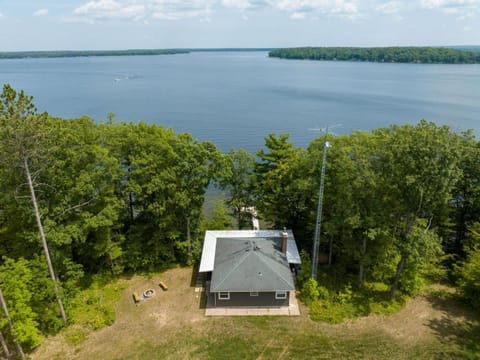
pixel 249 268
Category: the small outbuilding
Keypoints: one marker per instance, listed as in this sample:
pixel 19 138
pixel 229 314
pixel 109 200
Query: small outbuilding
pixel 249 268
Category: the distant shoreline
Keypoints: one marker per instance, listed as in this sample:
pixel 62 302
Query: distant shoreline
pixel 130 52
pixel 366 54
pixel 409 54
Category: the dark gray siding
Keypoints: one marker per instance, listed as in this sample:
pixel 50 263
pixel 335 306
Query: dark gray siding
pixel 264 299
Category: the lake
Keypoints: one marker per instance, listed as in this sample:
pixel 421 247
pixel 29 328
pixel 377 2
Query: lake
pixel 235 99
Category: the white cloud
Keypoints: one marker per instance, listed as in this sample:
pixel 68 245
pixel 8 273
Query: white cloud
pixel 390 7
pixel 144 9
pixel 238 4
pixel 95 10
pixel 298 15
pixel 432 4
pixel 111 9
pixel 41 12
pixel 178 9
pixel 463 8
pixel 99 10
pixel 347 8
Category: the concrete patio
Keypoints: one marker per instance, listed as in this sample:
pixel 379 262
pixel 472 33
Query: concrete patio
pixel 291 310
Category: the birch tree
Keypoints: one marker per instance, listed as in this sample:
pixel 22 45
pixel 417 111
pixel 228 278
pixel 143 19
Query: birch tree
pixel 23 145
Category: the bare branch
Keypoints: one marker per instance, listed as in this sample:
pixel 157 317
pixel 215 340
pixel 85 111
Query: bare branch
pixel 77 206
pixel 46 185
pixel 429 223
pixel 17 191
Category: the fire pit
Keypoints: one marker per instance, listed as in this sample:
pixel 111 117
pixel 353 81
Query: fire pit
pixel 147 294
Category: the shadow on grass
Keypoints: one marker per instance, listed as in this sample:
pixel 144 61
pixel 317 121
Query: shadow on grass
pixel 458 327
pixel 193 278
pixel 202 304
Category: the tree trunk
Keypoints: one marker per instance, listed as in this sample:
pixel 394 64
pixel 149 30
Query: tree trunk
pixel 110 262
pixel 330 251
pixel 362 262
pixel 10 325
pixel 400 267
pixel 5 347
pixel 189 239
pixel 130 206
pixel 44 241
pixel 408 229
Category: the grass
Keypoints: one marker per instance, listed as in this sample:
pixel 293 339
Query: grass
pixel 93 307
pixel 248 343
pixel 172 326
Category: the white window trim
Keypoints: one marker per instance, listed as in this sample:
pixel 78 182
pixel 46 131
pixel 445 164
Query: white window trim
pixel 280 295
pixel 224 295
pixel 253 293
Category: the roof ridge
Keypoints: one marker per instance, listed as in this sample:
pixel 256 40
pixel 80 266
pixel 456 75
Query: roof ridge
pixel 247 253
pixel 270 267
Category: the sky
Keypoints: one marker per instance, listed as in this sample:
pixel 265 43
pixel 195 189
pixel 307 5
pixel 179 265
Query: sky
pixel 146 24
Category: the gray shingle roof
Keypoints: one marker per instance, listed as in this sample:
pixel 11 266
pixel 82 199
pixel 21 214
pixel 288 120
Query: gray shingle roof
pixel 207 262
pixel 250 264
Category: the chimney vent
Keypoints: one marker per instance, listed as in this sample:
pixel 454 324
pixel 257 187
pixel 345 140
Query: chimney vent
pixel 284 241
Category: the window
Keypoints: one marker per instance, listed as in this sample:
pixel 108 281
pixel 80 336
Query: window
pixel 280 295
pixel 224 295
pixel 253 293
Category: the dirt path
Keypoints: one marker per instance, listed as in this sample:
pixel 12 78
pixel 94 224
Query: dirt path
pixel 160 320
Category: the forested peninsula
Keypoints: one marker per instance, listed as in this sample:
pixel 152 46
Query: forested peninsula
pixel 421 55
pixel 131 52
pixel 83 204
pixel 85 53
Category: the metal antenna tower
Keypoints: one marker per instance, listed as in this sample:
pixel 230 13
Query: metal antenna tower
pixel 318 224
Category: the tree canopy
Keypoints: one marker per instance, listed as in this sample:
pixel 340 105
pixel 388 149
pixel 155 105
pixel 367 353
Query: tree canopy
pixel 423 55
pixel 115 198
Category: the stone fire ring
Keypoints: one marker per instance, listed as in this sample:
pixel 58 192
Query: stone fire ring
pixel 148 293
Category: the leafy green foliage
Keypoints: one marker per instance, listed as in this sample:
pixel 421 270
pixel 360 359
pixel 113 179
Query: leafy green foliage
pixel 339 303
pixel 116 197
pixel 219 219
pixel 93 308
pixel 310 291
pixel 111 197
pixel 15 278
pixel 282 189
pixel 469 270
pixel 239 184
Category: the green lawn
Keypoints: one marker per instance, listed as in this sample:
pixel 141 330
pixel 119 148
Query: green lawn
pixel 172 326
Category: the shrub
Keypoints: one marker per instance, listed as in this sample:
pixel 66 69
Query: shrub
pixel 333 313
pixel 304 274
pixel 345 296
pixel 310 291
pixel 323 293
pixel 411 281
pixel 346 303
pixel 469 278
pixel 93 308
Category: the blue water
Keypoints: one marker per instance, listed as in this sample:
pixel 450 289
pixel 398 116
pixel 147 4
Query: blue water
pixel 235 99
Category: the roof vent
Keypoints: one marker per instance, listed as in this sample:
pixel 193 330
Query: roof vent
pixel 260 273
